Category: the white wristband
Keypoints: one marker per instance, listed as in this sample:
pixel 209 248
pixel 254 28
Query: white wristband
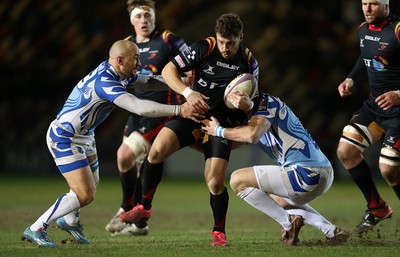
pixel 397 92
pixel 350 81
pixel 188 91
pixel 177 110
pixel 219 131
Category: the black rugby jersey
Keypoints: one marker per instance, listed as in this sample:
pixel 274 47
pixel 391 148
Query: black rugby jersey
pixel 380 56
pixel 154 55
pixel 212 73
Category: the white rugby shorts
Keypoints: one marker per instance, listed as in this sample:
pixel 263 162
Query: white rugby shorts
pixel 298 185
pixel 69 150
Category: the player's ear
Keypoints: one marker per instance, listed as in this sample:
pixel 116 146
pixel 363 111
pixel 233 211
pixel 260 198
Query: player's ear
pixel 119 60
pixel 387 8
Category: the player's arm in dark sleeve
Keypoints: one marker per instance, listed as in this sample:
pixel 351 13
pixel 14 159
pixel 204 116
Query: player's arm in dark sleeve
pixel 175 43
pixel 359 70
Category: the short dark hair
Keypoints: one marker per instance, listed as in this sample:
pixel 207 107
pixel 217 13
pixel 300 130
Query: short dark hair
pixel 131 4
pixel 229 24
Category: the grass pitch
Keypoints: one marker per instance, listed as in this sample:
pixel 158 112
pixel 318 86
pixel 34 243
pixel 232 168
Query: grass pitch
pixel 182 220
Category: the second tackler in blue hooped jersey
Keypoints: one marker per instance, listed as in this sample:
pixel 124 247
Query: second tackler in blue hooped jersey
pixel 286 141
pixel 91 100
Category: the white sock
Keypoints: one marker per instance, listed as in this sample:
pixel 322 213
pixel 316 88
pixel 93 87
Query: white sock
pixel 65 204
pixel 264 203
pixel 313 218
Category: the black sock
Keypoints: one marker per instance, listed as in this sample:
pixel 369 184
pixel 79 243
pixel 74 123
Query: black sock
pixel 396 189
pixel 128 182
pixel 138 192
pixel 152 174
pixel 362 176
pixel 219 206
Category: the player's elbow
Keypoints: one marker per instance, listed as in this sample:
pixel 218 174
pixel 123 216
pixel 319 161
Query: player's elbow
pixel 252 140
pixel 253 137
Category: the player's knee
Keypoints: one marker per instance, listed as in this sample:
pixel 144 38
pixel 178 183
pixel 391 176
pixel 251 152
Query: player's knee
pixel 86 197
pixel 342 154
pixel 238 180
pixel 134 148
pixel 391 175
pixel 235 181
pixel 125 159
pixel 154 155
pixel 389 164
pixel 157 154
pixel 215 185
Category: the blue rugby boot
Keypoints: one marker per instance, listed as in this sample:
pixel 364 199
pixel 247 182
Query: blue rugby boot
pixel 75 231
pixel 38 237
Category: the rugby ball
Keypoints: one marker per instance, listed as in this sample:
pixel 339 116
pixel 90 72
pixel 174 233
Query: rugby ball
pixel 245 83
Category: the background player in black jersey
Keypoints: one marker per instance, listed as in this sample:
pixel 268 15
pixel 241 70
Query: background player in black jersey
pixel 157 48
pixel 379 116
pixel 215 61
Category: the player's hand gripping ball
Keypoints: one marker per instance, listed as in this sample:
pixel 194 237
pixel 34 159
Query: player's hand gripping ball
pixel 245 83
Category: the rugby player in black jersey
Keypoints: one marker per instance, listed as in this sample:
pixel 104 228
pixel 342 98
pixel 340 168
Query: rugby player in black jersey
pixel 215 61
pixel 157 47
pixel 379 116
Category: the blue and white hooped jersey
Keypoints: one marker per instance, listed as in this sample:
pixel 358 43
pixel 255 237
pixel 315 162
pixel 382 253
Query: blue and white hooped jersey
pixel 287 142
pixel 91 100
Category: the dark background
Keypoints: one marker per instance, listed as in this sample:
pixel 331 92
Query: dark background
pixel 304 48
